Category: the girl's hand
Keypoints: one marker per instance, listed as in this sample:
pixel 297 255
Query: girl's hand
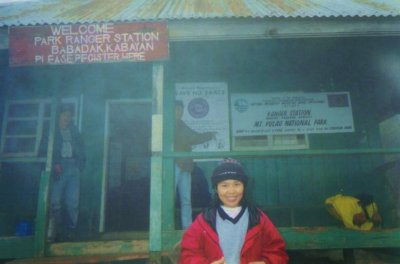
pixel 220 261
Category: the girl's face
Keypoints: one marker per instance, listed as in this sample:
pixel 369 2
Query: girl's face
pixel 230 192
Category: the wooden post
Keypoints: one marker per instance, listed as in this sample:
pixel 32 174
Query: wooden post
pixel 41 215
pixel 168 162
pixel 155 240
pixel 42 204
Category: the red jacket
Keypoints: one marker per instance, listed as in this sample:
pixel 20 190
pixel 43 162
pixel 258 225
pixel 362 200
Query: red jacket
pixel 200 243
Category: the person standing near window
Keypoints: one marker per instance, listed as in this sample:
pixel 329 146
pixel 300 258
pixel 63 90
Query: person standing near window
pixel 68 162
pixel 185 138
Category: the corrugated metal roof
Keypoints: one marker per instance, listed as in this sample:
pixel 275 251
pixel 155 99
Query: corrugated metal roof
pixel 88 11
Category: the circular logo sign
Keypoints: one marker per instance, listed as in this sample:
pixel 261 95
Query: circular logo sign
pixel 241 105
pixel 198 107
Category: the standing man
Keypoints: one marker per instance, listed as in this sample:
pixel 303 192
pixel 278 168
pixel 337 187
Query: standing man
pixel 185 138
pixel 68 163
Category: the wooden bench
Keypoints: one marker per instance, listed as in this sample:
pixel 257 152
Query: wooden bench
pixel 300 238
pixel 330 237
pixel 297 238
pixel 316 238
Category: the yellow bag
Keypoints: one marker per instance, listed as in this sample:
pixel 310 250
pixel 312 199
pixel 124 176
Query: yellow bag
pixel 345 207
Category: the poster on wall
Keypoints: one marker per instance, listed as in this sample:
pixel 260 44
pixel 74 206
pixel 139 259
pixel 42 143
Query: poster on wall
pixel 206 109
pixel 291 113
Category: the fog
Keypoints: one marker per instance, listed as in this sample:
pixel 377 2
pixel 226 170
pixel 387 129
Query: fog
pixel 114 103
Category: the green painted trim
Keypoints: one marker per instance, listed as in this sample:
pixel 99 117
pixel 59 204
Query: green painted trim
pixel 22 159
pixel 309 152
pixel 168 206
pixel 320 238
pixel 168 220
pixel 158 88
pixel 41 214
pixel 334 237
pixel 155 204
pixel 171 238
pixel 16 247
pixel 93 248
pixel 156 175
pixel 42 203
pixel 155 258
pixel 299 238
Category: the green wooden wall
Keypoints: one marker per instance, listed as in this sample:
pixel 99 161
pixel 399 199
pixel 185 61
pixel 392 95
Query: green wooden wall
pixel 287 185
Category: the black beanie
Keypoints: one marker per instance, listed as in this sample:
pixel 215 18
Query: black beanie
pixel 228 169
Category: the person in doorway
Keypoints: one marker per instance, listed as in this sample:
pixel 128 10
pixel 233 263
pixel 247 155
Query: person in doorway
pixel 359 212
pixel 185 138
pixel 232 230
pixel 68 163
pixel 201 196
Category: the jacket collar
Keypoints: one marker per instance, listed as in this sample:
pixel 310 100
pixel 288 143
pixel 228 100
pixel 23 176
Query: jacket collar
pixel 225 216
pixel 208 221
pixel 210 214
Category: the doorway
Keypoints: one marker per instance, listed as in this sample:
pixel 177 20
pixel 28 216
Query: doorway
pixel 126 185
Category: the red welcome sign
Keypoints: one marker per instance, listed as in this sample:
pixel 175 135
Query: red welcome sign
pixel 87 43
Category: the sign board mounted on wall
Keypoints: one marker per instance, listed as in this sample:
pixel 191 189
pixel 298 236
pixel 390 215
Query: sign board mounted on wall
pixel 206 109
pixel 88 43
pixel 291 113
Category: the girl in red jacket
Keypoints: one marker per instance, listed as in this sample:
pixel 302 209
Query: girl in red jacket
pixel 232 231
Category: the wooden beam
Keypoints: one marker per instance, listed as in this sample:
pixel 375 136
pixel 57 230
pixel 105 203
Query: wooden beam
pixel 335 237
pixel 270 28
pixel 297 238
pixel 41 214
pixel 156 193
pixel 168 220
pixel 156 204
pixel 277 153
pixel 304 238
pixel 81 259
pixel 16 247
pixel 93 248
pixel 42 211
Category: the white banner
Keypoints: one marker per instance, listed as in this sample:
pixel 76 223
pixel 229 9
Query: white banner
pixel 206 108
pixel 291 113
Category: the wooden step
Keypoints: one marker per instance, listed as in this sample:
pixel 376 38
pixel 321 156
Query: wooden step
pixel 80 259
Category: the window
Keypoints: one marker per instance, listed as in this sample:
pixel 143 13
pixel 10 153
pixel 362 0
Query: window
pixel 270 142
pixel 24 123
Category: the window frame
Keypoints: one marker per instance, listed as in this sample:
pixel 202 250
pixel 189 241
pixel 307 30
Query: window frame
pixel 40 119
